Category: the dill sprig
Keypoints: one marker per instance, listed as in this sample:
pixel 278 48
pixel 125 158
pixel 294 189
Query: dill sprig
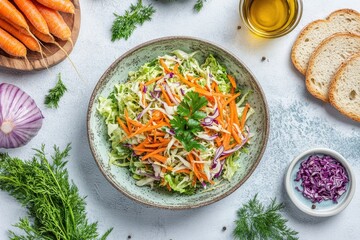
pixel 124 25
pixel 258 222
pixel 199 5
pixel 55 208
pixel 53 98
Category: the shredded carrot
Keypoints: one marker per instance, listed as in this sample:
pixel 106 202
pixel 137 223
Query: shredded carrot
pixel 243 117
pixel 153 153
pixel 162 63
pixel 154 80
pixel 165 142
pixel 197 88
pixel 232 80
pixel 127 120
pixel 159 157
pixel 167 99
pixel 126 130
pixel 187 171
pixel 231 99
pixel 235 136
pixel 135 123
pixel 145 129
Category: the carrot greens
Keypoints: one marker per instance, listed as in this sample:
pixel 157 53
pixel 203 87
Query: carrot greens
pixel 255 221
pixel 55 207
pixel 124 25
pixel 53 98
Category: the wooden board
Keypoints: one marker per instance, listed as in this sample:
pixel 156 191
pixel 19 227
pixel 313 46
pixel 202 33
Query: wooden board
pixel 52 53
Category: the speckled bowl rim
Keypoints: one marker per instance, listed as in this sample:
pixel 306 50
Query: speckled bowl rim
pixel 296 201
pixel 195 205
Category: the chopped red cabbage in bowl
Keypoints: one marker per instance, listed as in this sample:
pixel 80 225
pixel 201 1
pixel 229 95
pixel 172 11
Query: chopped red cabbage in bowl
pixel 323 178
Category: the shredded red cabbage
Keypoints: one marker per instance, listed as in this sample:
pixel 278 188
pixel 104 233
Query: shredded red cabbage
pixel 323 178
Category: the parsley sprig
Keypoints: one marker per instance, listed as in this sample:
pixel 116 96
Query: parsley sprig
pixel 55 207
pixel 125 25
pixel 187 121
pixel 53 98
pixel 258 222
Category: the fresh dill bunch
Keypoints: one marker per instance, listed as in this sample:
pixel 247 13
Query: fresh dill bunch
pixel 254 221
pixel 199 5
pixel 53 98
pixel 123 26
pixel 55 208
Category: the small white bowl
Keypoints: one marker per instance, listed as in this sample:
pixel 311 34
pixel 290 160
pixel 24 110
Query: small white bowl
pixel 325 208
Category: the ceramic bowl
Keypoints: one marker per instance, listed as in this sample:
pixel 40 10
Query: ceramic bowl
pixel 325 208
pixel 131 61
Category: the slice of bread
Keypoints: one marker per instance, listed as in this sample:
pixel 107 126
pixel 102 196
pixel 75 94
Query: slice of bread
pixel 326 60
pixel 344 92
pixel 344 20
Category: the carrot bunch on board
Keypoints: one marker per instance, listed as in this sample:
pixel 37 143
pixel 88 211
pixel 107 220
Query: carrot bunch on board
pixel 24 23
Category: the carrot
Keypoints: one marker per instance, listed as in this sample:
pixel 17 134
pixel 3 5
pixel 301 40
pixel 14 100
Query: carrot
pixel 160 158
pixel 165 142
pixel 123 126
pixel 153 153
pixel 27 40
pixel 231 99
pixel 47 38
pixel 197 88
pixel 28 8
pixel 232 81
pixel 187 171
pixel 145 129
pixel 128 123
pixel 243 117
pixel 11 45
pixel 11 14
pixel 227 135
pixel 59 5
pixel 55 22
pixel 235 136
pixel 153 80
pixel 162 63
pixel 167 99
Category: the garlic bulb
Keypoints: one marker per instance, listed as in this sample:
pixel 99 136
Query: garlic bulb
pixel 20 118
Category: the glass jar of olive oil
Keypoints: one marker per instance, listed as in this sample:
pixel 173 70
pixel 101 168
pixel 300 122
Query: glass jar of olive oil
pixel 271 18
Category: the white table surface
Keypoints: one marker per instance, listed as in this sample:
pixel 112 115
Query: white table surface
pixel 298 122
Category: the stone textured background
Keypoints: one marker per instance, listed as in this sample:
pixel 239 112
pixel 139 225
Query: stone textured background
pixel 298 122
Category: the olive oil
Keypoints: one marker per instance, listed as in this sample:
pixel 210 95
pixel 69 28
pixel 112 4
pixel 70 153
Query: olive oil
pixel 270 18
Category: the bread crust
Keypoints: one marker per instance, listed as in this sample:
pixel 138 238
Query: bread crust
pixel 309 73
pixel 308 28
pixel 333 86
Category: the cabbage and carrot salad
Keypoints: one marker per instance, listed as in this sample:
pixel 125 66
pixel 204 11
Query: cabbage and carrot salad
pixel 178 124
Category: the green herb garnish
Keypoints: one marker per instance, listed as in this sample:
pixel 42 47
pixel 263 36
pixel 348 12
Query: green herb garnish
pixel 53 98
pixel 125 25
pixel 187 121
pixel 257 222
pixel 199 5
pixel 55 208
